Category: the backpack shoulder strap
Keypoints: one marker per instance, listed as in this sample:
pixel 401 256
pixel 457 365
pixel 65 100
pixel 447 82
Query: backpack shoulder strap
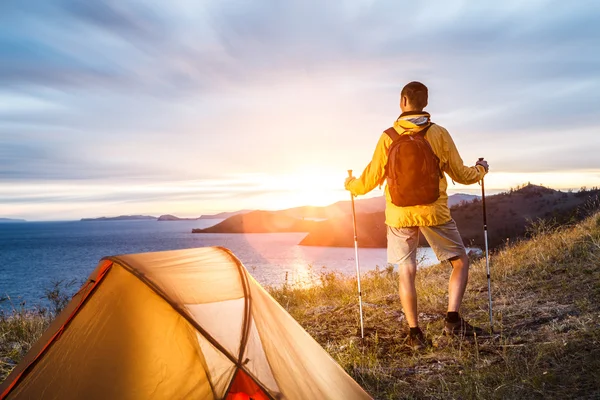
pixel 424 131
pixel 391 132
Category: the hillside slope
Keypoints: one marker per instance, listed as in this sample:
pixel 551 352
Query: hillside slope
pixel 546 294
pixel 509 216
pixel 336 211
pixel 259 222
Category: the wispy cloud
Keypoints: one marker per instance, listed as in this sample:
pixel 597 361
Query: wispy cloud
pixel 133 92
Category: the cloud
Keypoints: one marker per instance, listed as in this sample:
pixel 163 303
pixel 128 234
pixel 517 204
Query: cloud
pixel 135 91
pixel 127 195
pixel 249 38
pixel 130 20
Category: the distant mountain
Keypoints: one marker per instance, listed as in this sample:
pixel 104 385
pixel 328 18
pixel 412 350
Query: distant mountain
pixel 224 215
pixel 334 212
pixel 12 220
pixel 259 222
pixel 461 198
pixel 121 218
pixel 338 209
pixel 509 215
pixel 369 205
pixel 169 217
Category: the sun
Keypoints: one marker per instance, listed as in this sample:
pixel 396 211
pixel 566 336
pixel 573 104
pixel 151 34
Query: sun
pixel 310 187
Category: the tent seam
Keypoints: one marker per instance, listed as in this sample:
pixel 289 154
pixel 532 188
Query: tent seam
pixel 180 311
pixel 99 278
pixel 247 315
pixel 141 277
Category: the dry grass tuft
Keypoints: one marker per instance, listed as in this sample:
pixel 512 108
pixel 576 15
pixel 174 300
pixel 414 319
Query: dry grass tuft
pixel 19 330
pixel 546 293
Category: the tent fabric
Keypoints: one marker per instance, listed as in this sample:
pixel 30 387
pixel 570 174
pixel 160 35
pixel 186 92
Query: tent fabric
pixel 55 329
pixel 185 324
pixel 111 348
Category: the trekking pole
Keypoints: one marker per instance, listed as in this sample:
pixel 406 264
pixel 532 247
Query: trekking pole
pixel 487 260
pixel 362 333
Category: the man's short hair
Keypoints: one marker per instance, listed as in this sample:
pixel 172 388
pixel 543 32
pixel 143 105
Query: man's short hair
pixel 416 93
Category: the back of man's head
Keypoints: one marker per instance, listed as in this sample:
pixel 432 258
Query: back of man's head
pixel 416 93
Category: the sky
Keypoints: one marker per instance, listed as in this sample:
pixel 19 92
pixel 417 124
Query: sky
pixel 192 107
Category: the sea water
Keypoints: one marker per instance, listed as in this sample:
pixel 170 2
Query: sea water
pixel 35 255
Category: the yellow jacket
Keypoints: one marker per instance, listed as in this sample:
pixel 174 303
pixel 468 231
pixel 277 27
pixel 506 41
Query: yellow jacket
pixel 450 162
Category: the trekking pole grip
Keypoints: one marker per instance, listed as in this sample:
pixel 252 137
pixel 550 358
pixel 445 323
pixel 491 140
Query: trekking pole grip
pixel 481 159
pixel 350 173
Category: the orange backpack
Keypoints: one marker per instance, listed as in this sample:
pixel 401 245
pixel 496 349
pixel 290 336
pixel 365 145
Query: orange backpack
pixel 413 170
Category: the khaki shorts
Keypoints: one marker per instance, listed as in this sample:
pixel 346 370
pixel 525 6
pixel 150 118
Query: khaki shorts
pixel 445 241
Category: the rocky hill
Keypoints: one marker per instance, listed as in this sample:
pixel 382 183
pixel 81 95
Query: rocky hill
pixel 259 222
pixel 337 212
pixel 362 205
pixel 509 216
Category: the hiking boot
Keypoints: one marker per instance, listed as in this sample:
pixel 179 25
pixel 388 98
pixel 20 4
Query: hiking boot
pixel 418 342
pixel 461 328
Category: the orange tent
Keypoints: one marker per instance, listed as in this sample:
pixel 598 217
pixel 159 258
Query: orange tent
pixel 186 324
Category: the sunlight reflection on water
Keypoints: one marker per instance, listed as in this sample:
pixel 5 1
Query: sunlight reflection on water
pixel 36 254
pixel 270 258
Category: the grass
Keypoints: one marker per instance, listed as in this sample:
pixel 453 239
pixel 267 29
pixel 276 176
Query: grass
pixel 19 329
pixel 546 294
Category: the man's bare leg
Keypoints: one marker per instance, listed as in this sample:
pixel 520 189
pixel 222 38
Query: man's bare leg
pixel 458 282
pixel 408 292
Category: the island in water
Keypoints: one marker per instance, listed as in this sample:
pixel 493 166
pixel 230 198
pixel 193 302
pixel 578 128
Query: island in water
pixel 169 217
pixel 510 216
pixel 259 222
pixel 12 220
pixel 122 218
pixel 331 222
pixel 224 215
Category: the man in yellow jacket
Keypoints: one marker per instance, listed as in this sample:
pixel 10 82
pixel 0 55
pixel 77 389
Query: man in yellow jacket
pixel 432 220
